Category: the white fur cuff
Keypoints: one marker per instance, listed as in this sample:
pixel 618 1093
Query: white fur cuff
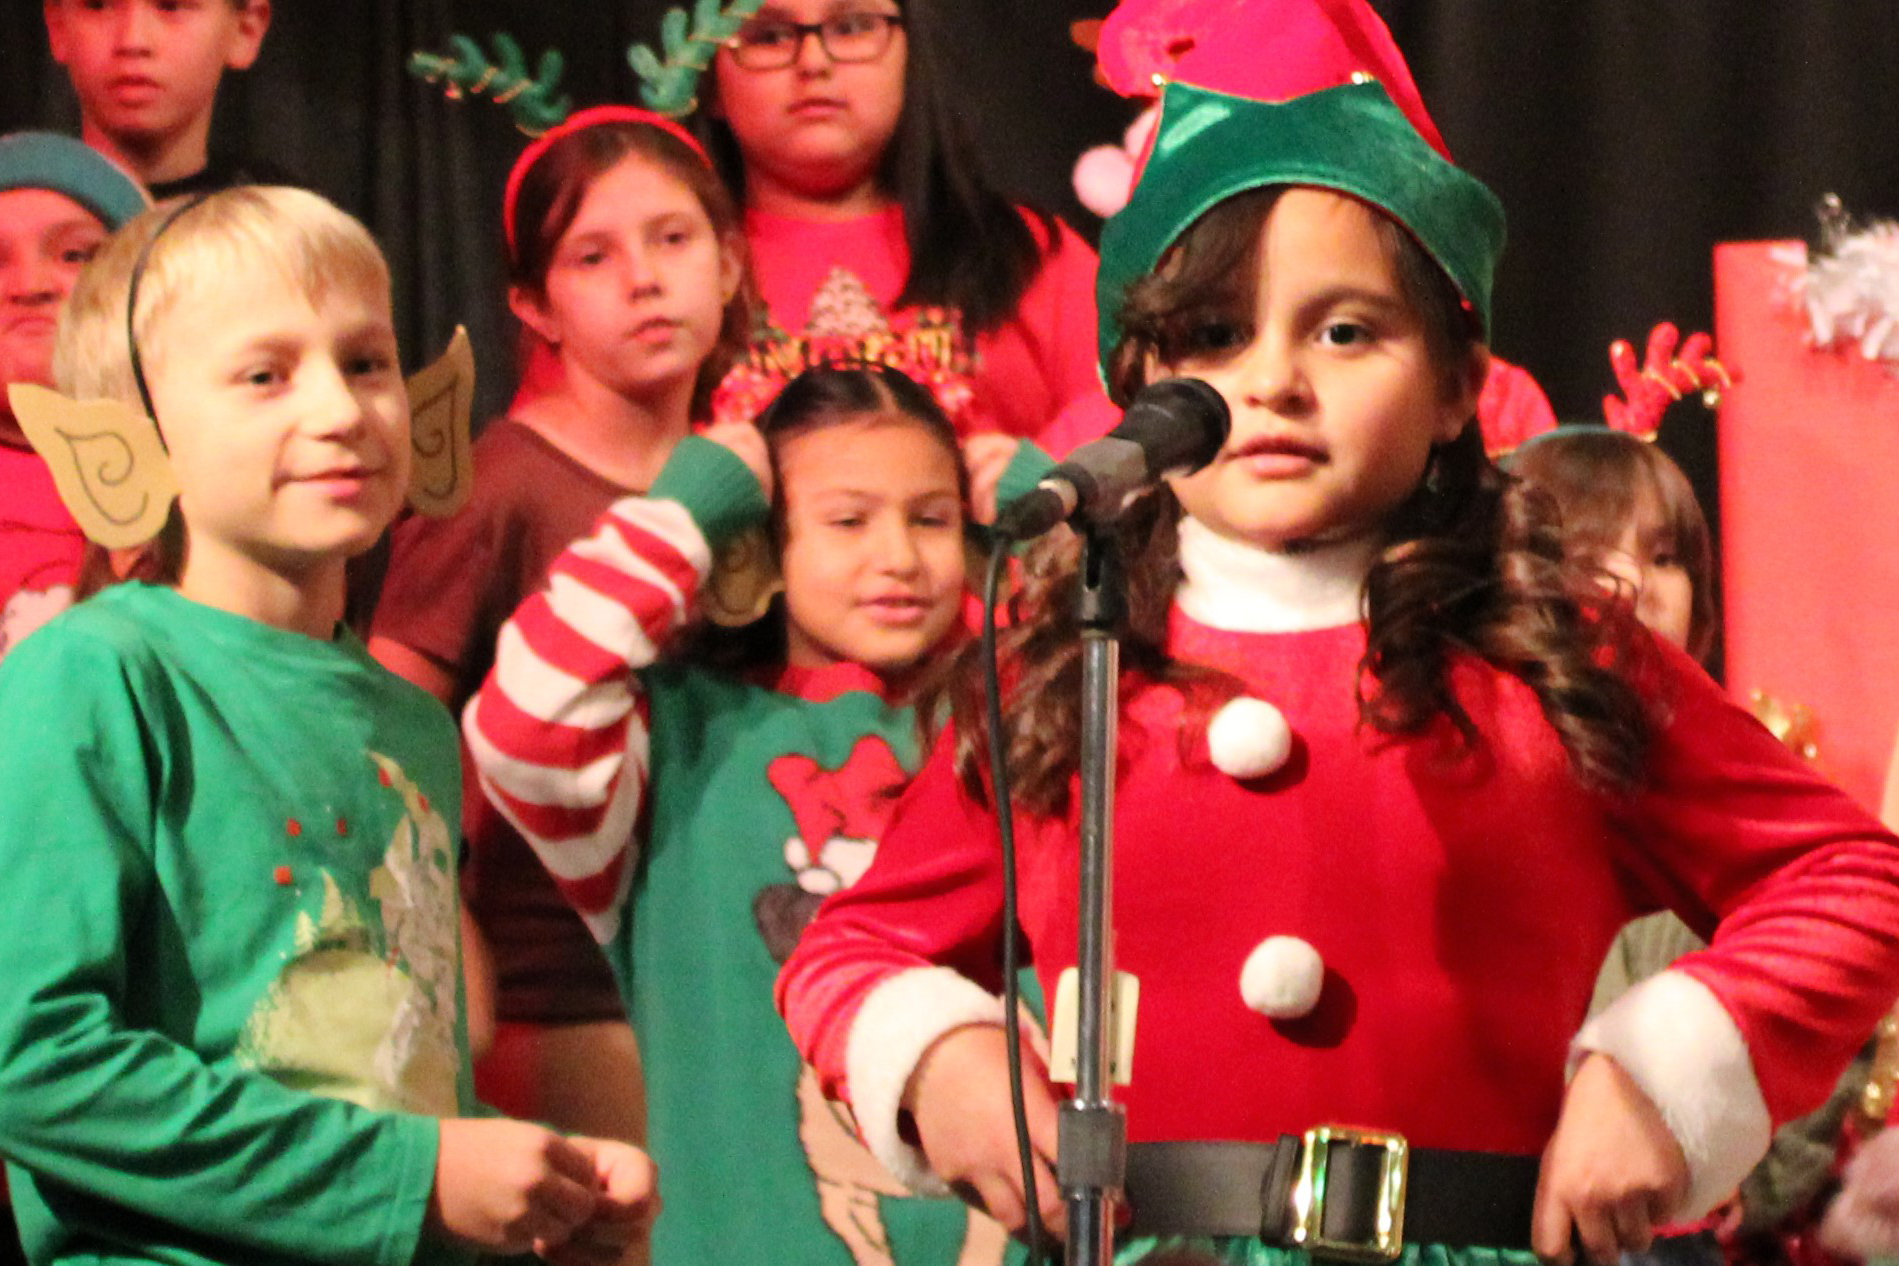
pixel 897 1023
pixel 1673 1036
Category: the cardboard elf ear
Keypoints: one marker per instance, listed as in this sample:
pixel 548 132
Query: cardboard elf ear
pixel 743 580
pixel 441 404
pixel 108 463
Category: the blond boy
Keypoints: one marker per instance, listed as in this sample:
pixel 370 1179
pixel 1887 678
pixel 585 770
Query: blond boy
pixel 230 1025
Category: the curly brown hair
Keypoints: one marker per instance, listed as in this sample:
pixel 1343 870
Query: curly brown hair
pixel 1473 565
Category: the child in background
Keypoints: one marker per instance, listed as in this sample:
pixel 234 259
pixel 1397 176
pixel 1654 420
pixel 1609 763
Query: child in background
pixel 228 1024
pixel 1372 726
pixel 696 817
pixel 58 200
pixel 626 262
pixel 147 73
pixel 870 220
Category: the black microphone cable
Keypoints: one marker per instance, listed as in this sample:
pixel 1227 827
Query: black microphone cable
pixel 1011 958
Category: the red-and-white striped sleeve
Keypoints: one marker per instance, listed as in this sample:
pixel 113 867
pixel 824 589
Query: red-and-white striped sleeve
pixel 558 730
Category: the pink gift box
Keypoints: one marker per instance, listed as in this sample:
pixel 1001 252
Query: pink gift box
pixel 1809 445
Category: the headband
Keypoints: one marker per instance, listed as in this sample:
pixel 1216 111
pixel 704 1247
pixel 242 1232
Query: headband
pixel 131 295
pixel 669 79
pixel 596 116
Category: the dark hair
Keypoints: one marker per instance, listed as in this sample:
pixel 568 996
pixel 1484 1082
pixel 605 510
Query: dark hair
pixel 971 249
pixel 552 190
pixel 1601 480
pixel 1472 565
pixel 820 397
pixel 826 395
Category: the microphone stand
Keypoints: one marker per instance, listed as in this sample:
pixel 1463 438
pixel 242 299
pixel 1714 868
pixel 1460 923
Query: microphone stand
pixel 1092 1158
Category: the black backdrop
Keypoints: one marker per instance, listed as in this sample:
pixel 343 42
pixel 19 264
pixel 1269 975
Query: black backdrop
pixel 1625 137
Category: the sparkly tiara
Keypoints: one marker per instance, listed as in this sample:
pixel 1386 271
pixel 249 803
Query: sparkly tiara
pixel 851 330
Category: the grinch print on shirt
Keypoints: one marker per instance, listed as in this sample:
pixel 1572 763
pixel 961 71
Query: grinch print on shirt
pixel 840 814
pixel 365 1007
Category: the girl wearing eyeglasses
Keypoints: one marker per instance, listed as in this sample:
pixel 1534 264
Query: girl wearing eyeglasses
pixel 870 220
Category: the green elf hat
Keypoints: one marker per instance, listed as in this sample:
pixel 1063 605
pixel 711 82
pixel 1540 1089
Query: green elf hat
pixel 1282 92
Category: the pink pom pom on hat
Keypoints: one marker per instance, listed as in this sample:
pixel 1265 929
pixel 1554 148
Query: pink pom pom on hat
pixel 1218 44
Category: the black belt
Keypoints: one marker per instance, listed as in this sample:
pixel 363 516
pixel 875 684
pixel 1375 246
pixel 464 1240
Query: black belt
pixel 1339 1193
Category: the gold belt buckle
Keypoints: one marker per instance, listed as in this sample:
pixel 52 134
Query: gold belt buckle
pixel 1309 1193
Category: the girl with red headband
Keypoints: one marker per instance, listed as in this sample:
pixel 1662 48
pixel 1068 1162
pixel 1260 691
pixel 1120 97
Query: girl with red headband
pixel 626 268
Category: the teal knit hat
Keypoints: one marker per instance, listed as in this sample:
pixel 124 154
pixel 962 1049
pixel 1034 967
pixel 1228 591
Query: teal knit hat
pixel 47 160
pixel 1282 92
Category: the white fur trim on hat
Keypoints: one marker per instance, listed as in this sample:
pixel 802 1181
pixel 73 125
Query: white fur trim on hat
pixel 1248 738
pixel 1282 978
pixel 900 1020
pixel 1679 1044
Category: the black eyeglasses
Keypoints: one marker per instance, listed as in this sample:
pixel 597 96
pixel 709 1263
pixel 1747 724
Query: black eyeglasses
pixel 772 44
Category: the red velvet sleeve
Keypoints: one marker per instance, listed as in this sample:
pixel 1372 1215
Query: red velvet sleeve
pixel 932 897
pixel 1804 883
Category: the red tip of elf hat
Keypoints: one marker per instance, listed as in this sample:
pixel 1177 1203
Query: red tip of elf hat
pixel 1217 44
pixel 580 122
pixel 1256 93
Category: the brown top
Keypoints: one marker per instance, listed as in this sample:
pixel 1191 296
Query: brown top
pixel 450 586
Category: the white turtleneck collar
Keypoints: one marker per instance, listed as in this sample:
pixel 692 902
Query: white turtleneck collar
pixel 1241 588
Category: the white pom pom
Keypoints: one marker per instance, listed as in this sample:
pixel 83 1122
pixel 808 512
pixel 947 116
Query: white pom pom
pixel 1282 978
pixel 1248 738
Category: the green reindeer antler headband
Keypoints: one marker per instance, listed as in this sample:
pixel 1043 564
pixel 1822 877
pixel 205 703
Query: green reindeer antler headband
pixel 530 99
pixel 668 85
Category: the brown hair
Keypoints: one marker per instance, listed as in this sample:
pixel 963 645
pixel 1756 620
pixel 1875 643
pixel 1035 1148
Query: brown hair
pixel 1601 481
pixel 552 190
pixel 1473 562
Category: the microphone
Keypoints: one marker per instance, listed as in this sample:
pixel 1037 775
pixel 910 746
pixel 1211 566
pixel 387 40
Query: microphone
pixel 1176 424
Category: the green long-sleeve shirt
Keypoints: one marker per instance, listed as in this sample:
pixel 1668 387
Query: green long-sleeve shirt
pixel 229 973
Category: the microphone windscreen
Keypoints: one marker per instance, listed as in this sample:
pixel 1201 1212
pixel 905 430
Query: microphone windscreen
pixel 1180 423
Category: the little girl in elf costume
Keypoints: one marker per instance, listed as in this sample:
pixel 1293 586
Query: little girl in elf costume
pixel 1391 772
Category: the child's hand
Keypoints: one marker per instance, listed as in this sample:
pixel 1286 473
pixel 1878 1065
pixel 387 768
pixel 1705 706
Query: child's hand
pixel 510 1187
pixel 627 1203
pixel 986 457
pixel 1863 1220
pixel 748 445
pixel 959 1098
pixel 1612 1169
